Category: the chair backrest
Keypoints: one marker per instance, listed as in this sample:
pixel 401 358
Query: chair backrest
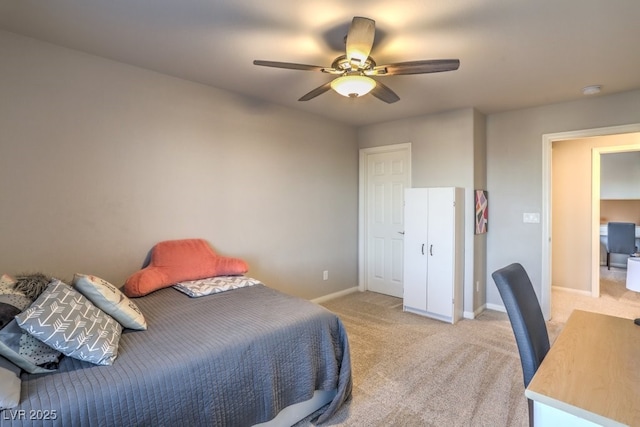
pixel 525 316
pixel 621 237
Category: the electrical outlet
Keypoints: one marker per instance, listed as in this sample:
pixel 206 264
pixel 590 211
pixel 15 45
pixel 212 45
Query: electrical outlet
pixel 531 218
pixel 325 275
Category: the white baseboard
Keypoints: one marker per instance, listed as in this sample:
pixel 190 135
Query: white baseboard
pixel 475 313
pixel 497 307
pixel 572 291
pixel 334 295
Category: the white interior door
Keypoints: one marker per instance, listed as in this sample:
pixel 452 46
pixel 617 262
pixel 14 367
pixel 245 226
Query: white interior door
pixel 386 175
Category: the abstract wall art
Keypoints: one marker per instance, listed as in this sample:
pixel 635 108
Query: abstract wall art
pixel 482 211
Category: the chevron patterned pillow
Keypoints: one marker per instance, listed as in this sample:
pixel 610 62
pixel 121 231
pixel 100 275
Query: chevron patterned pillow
pixel 214 285
pixel 64 319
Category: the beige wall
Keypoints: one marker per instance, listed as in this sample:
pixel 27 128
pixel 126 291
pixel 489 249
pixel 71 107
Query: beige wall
pixel 100 160
pixel 620 211
pixel 514 173
pixel 571 215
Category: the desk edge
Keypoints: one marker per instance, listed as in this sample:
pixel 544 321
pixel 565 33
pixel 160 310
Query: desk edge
pixel 570 409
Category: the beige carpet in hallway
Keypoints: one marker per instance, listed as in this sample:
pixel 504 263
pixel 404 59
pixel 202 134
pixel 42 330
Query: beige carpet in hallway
pixel 615 299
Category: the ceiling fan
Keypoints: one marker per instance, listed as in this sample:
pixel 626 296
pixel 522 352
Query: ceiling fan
pixel 356 68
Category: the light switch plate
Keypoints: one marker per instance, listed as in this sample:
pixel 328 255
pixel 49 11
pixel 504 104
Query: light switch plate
pixel 531 217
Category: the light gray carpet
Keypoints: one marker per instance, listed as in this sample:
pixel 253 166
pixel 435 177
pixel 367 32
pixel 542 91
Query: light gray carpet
pixel 409 370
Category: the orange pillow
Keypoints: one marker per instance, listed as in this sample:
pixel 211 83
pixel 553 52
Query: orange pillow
pixel 175 261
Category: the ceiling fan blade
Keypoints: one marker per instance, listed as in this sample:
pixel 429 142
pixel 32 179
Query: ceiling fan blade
pixel 416 67
pixel 317 91
pixel 360 39
pixel 385 94
pixel 287 65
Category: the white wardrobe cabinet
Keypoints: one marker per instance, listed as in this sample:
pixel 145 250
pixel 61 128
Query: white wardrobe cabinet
pixel 434 252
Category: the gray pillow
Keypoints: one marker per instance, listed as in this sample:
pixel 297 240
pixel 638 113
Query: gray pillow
pixel 15 344
pixel 12 301
pixel 10 384
pixel 64 319
pixel 109 299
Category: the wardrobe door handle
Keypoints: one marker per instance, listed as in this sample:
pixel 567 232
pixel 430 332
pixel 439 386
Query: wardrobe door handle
pixel 431 250
pixel 423 249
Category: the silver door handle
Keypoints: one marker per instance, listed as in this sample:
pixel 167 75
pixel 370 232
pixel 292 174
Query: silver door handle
pixel 431 250
pixel 401 232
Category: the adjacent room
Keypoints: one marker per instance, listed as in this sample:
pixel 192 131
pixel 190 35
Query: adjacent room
pixel 582 191
pixel 256 244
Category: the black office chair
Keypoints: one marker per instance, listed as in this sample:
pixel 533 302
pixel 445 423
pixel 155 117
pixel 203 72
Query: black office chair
pixel 526 319
pixel 621 239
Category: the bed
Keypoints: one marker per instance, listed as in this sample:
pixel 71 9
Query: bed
pixel 235 358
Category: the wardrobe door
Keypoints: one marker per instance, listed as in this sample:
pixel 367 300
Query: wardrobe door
pixel 440 254
pixel 415 240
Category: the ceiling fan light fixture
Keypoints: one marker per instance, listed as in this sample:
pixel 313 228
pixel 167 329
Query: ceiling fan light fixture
pixel 353 86
pixel 354 69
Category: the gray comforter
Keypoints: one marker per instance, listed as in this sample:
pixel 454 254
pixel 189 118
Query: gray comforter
pixel 230 359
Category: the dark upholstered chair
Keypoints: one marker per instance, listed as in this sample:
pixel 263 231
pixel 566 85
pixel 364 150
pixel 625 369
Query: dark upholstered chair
pixel 621 239
pixel 526 319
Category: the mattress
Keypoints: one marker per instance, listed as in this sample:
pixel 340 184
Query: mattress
pixel 231 359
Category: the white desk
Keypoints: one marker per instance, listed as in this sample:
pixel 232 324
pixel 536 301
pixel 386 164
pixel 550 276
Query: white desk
pixel 591 375
pixel 633 274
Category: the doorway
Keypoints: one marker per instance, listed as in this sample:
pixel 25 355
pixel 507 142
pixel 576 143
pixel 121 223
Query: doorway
pixel 384 174
pixel 547 143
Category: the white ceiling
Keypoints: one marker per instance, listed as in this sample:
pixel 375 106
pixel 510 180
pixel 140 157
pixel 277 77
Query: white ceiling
pixel 513 53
